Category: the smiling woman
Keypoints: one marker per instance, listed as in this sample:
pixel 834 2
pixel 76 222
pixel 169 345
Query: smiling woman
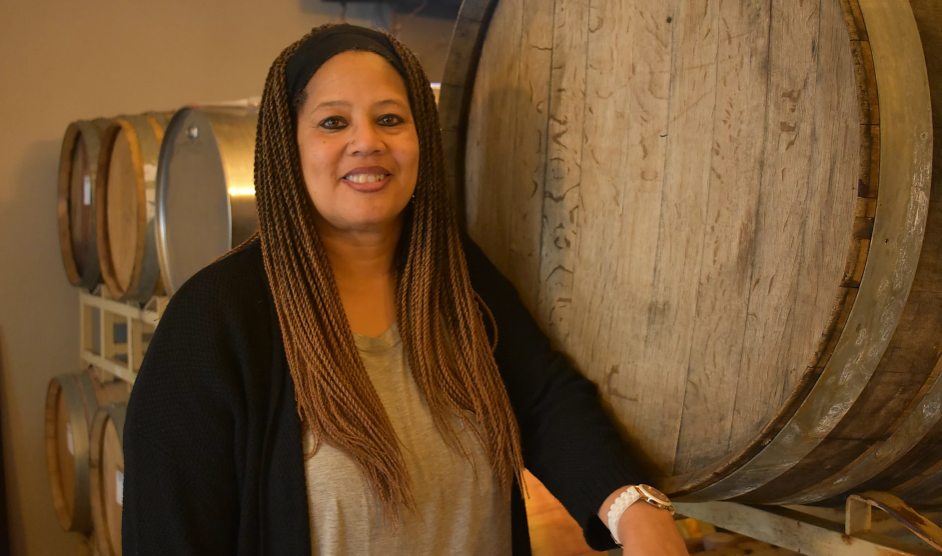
pixel 336 384
pixel 358 144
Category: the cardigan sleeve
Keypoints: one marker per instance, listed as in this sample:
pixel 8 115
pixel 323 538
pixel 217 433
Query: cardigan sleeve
pixel 568 441
pixel 181 492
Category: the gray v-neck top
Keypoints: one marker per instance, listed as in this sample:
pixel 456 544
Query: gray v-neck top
pixel 462 511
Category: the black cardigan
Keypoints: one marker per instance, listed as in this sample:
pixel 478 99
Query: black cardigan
pixel 212 441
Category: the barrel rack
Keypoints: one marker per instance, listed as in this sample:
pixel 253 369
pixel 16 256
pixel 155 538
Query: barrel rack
pixel 115 334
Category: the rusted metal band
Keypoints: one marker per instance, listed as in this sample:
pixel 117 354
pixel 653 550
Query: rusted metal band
pixel 858 515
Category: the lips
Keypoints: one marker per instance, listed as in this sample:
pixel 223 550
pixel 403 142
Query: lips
pixel 367 179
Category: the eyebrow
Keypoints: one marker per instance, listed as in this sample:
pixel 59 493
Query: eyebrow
pixel 344 103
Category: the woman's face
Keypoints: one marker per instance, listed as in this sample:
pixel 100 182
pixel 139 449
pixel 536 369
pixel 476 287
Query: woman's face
pixel 358 144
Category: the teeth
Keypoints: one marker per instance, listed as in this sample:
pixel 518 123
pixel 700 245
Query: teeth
pixel 365 178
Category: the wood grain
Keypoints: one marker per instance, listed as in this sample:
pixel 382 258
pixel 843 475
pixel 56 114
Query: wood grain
pixel 692 219
pixel 680 238
pixel 626 122
pixel 528 168
pixel 126 193
pixel 564 156
pixel 122 208
pixel 723 289
pixel 827 219
pixel 490 163
pixel 769 369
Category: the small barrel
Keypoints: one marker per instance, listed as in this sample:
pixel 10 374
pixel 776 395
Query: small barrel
pixel 107 477
pixel 205 188
pixel 71 402
pixel 76 201
pixel 126 190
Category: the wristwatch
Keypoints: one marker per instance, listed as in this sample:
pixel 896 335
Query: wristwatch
pixel 633 494
pixel 654 497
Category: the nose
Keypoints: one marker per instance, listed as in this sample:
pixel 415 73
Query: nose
pixel 366 141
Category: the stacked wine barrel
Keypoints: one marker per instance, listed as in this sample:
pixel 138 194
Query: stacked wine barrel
pixel 73 402
pixel 726 214
pixel 147 200
pixel 144 202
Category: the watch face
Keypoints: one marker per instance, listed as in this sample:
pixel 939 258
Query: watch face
pixel 654 493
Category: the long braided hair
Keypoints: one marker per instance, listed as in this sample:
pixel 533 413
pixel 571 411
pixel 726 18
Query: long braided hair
pixel 438 313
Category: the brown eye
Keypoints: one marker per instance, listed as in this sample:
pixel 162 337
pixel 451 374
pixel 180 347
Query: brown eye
pixel 333 123
pixel 389 120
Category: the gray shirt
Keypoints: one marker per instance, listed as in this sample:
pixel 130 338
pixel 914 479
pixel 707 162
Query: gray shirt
pixel 462 511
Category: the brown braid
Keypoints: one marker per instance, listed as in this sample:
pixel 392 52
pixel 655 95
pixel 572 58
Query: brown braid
pixel 438 313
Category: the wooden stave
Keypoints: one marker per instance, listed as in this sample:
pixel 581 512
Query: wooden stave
pixel 236 152
pixel 844 460
pixel 110 415
pixel 90 132
pixel 147 130
pixel 901 458
pixel 83 394
pixel 818 491
pixel 457 87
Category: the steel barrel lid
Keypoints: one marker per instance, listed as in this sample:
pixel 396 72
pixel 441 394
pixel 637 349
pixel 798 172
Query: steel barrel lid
pixel 205 188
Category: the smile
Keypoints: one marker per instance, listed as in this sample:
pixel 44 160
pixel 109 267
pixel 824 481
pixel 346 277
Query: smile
pixel 365 178
pixel 367 183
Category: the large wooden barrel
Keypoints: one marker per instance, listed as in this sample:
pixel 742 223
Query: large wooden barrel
pixel 205 188
pixel 71 403
pixel 107 477
pixel 718 211
pixel 126 195
pixel 78 167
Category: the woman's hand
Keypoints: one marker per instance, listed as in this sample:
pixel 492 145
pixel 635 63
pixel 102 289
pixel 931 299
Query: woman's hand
pixel 645 530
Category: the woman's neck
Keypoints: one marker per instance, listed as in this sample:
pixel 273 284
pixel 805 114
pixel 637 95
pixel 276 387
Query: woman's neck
pixel 363 264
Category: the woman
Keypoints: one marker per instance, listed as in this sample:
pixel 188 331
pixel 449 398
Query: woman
pixel 332 386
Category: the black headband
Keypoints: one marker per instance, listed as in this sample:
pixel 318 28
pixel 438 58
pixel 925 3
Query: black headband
pixel 322 46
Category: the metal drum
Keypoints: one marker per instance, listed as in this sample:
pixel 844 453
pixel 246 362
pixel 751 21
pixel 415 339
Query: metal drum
pixel 205 188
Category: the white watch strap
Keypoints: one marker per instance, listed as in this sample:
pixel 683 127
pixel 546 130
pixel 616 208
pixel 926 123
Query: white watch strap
pixel 618 507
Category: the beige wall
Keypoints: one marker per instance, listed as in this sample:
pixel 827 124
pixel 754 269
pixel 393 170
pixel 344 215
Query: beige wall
pixel 66 60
